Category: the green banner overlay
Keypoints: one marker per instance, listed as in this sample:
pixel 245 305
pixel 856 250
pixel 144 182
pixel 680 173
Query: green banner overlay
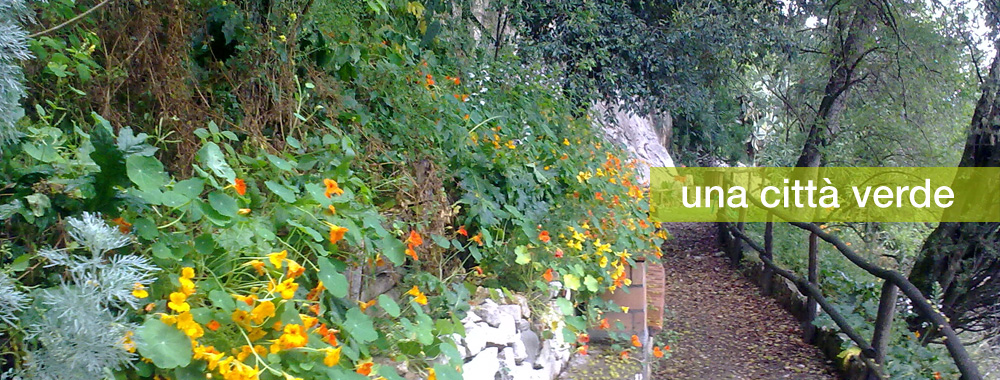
pixel 825 194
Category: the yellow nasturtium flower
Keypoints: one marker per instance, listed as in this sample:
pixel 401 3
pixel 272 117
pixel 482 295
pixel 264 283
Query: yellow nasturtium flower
pixel 178 302
pixel 139 291
pixel 277 258
pixel 332 357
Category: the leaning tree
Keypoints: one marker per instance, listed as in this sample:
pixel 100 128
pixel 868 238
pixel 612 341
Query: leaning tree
pixel 959 263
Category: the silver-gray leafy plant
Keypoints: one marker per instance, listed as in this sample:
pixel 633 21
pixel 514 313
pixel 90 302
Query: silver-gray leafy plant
pixel 77 330
pixel 13 49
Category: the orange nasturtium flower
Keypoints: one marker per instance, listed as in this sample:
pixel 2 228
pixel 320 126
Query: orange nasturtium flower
pixel 294 269
pixel 462 231
pixel 365 368
pixel 582 349
pixel 365 305
pixel 412 253
pixel 431 373
pixel 414 239
pixel 635 341
pixel 624 355
pixel 548 275
pixel 240 186
pixel 213 325
pixel 332 188
pixel 604 324
pixel 336 233
pixel 544 236
pixel 258 265
pixel 478 239
pixel 123 226
pixel 418 296
pixel 583 338
pixel 657 352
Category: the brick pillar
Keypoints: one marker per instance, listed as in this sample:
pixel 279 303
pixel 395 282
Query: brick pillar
pixel 633 297
pixel 655 287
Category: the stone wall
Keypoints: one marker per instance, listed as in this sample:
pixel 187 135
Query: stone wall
pixel 502 343
pixel 643 137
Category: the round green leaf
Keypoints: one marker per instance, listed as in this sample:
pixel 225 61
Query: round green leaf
pixel 388 305
pixel 360 326
pixel 145 172
pixel 333 280
pixel 223 203
pixel 165 345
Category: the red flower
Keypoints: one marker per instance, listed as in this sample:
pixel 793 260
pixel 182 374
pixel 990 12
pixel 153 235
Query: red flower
pixel 462 231
pixel 559 253
pixel 604 324
pixel 365 368
pixel 123 226
pixel 414 239
pixel 240 186
pixel 544 236
pixel 583 338
pixel 410 252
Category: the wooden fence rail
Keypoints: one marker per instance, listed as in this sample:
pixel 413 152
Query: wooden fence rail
pixel 872 353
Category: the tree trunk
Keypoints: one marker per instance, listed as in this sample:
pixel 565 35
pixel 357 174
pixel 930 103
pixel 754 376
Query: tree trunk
pixel 962 259
pixel 847 53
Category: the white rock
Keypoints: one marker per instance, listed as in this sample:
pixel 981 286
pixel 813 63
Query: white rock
pixel 507 357
pixel 554 288
pixel 504 334
pixel 514 311
pixel 489 311
pixel 460 344
pixel 525 372
pixel 483 367
pixel 475 338
pixel 520 351
pixel 522 302
pixel 471 318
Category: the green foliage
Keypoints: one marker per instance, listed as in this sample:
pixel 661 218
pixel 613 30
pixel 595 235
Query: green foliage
pixel 682 57
pixel 395 154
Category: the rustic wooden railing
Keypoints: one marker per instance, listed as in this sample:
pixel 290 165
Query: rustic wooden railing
pixel 733 235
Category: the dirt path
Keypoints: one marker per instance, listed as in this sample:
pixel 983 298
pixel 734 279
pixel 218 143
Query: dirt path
pixel 722 327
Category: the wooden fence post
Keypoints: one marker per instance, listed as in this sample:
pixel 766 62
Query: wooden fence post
pixel 808 329
pixel 736 254
pixel 883 323
pixel 768 273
